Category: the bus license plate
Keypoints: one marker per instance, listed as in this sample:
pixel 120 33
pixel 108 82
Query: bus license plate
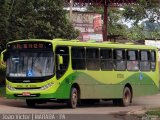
pixel 26 93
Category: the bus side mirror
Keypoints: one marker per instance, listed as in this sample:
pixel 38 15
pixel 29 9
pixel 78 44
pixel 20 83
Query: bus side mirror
pixel 60 59
pixel 3 58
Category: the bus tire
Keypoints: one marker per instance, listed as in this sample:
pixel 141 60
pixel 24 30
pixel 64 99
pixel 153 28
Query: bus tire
pixel 73 101
pixel 30 102
pixel 126 98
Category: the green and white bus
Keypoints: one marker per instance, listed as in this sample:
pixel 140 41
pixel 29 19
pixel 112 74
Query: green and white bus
pixel 71 71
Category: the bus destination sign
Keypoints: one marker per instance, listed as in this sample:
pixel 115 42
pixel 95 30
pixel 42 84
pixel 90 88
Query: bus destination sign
pixel 29 45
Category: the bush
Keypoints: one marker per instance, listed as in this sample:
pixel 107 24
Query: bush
pixel 2 81
pixel 2 76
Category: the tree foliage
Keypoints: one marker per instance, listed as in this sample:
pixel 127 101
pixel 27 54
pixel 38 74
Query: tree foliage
pixel 147 11
pixel 4 11
pixel 46 19
pixel 143 10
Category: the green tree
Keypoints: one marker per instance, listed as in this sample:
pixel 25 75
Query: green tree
pixel 135 13
pixel 4 11
pixel 144 9
pixel 115 24
pixel 44 19
pixel 136 33
pixel 148 10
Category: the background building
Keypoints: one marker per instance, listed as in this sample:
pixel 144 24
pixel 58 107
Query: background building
pixel 89 24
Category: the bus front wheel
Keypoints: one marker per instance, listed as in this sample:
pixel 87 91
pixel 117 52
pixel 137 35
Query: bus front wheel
pixel 30 103
pixel 127 97
pixel 73 101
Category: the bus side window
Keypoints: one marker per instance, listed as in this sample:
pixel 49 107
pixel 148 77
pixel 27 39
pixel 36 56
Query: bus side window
pixel 92 58
pixel 153 60
pixel 132 60
pixel 119 60
pixel 106 59
pixel 61 68
pixel 145 60
pixel 78 58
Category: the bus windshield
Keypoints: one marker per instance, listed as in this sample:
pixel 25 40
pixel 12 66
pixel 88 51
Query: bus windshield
pixel 30 64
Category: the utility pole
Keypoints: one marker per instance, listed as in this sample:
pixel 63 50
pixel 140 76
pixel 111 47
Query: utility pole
pixel 105 21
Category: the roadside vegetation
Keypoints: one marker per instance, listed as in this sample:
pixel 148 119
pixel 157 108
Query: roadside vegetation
pixel 2 81
pixel 154 111
pixel 37 19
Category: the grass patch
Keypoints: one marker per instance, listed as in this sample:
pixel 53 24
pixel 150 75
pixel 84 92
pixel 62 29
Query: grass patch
pixel 155 111
pixel 2 91
pixel 2 81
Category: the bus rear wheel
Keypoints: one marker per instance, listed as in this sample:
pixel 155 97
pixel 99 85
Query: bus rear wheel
pixel 30 102
pixel 127 97
pixel 73 101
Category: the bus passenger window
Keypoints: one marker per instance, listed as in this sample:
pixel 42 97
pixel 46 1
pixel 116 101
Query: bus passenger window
pixel 78 58
pixel 153 60
pixel 106 59
pixel 119 60
pixel 92 58
pixel 145 61
pixel 62 68
pixel 132 60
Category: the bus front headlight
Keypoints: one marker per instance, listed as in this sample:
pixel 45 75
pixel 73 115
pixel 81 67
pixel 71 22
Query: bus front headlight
pixel 47 86
pixel 10 87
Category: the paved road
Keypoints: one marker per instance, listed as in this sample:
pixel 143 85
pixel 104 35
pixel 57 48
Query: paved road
pixel 138 106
